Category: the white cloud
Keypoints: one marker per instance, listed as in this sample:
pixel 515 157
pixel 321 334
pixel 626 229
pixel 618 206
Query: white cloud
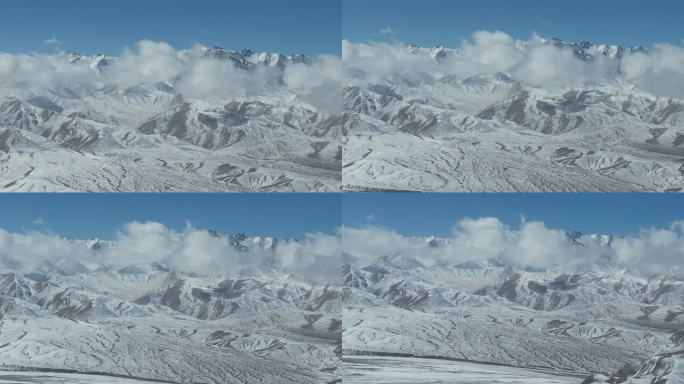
pixel 489 52
pixel 531 245
pixel 40 71
pixel 660 71
pixel 388 31
pixel 368 243
pixel 29 250
pixel 534 62
pixel 317 83
pixel 190 71
pixel 153 62
pixel 52 41
pixel 202 252
pixel 484 238
pixel 144 243
pixel 373 61
pixel 192 250
pixel 317 257
pixel 653 250
pixel 38 221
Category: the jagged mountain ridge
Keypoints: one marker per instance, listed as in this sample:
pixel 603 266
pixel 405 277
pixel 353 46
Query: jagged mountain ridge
pixel 584 50
pixel 244 58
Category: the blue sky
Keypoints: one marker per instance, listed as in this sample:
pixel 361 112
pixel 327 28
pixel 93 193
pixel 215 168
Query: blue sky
pixel 90 27
pixel 292 215
pixel 436 213
pixel 447 22
pixel 101 215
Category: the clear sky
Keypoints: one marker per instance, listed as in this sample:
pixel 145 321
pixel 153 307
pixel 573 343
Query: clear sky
pixel 447 22
pixel 102 214
pixel 93 26
pixel 292 215
pixel 436 213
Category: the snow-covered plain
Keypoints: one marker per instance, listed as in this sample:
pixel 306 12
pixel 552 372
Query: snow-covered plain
pixel 405 370
pixel 7 377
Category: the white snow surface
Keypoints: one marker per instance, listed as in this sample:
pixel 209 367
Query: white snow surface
pixel 7 377
pixel 389 370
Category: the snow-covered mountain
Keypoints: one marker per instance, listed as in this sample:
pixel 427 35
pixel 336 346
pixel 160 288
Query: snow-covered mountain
pixel 149 321
pixel 560 117
pixel 204 119
pixel 594 322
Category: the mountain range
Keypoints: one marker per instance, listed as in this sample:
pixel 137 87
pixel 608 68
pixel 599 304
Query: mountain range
pixel 398 316
pixel 147 321
pixel 432 127
pixel 488 321
pixel 103 130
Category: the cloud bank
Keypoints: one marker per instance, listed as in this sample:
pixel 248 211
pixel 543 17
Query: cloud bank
pixel 531 245
pixel 536 62
pixel 193 73
pixel 191 250
pixel 319 257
